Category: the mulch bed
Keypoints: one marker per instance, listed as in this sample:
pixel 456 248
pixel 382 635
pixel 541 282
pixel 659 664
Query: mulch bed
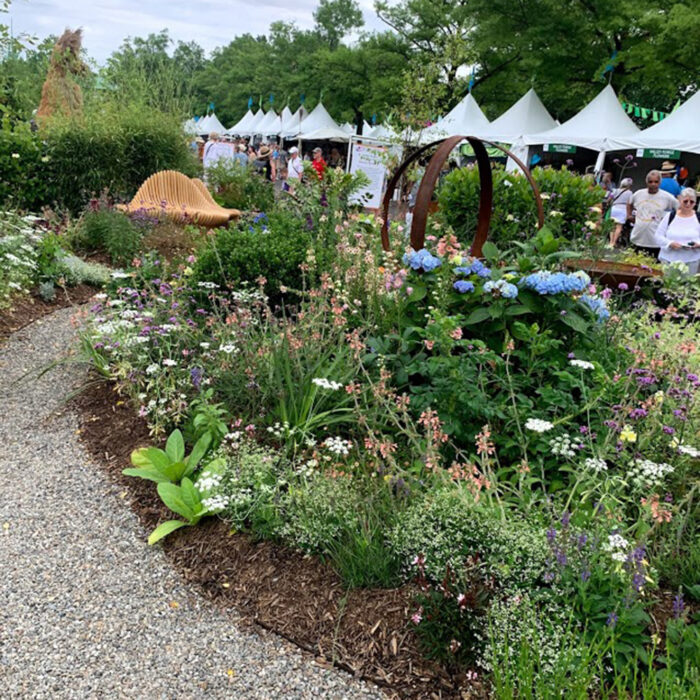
pixel 27 309
pixel 365 631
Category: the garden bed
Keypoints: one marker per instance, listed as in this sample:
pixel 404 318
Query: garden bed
pixel 365 631
pixel 27 309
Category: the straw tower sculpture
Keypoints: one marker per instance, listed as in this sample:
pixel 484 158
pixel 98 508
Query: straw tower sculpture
pixel 61 94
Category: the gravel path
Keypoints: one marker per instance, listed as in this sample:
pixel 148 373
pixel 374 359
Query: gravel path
pixel 87 609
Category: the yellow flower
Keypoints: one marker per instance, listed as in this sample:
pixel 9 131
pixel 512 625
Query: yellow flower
pixel 188 271
pixel 628 435
pixel 659 397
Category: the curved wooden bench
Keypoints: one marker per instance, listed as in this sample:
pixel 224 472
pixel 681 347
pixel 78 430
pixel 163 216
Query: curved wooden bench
pixel 176 196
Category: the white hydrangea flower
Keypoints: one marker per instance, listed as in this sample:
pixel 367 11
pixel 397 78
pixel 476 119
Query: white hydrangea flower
pixel 337 445
pixel 538 425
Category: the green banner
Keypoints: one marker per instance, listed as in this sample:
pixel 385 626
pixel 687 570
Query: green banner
pixel 466 150
pixel 559 148
pixel 658 153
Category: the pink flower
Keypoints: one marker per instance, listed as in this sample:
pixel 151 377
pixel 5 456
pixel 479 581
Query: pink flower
pixel 417 616
pixel 429 344
pixel 456 334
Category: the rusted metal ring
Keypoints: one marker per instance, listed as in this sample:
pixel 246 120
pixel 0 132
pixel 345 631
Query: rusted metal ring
pixel 427 187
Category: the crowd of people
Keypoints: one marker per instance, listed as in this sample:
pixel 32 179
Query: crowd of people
pixel 271 160
pixel 662 217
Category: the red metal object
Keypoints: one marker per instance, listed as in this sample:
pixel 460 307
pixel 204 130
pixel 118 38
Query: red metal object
pixel 430 179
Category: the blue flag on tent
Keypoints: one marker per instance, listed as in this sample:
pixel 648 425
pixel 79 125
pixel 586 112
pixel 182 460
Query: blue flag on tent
pixel 374 119
pixel 211 106
pixel 302 98
pixel 272 98
pixel 611 66
pixel 250 102
pixel 471 81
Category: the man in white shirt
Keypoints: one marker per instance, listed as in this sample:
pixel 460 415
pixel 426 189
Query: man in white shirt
pixel 295 169
pixel 650 206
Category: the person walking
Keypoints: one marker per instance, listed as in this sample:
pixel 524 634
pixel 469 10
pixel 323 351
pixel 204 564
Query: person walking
pixel 648 207
pixel 618 208
pixel 668 178
pixel 241 157
pixel 678 235
pixel 318 164
pixel 295 169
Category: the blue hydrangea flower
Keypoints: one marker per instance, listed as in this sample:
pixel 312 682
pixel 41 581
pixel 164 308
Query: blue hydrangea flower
pixel 502 288
pixel 545 282
pixel 597 306
pixel 462 286
pixel 421 260
pixel 475 267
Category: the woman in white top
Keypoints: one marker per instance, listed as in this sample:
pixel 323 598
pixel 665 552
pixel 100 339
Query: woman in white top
pixel 678 234
pixel 618 208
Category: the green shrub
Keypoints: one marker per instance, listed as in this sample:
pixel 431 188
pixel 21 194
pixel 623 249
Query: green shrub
pixel 113 148
pixel 239 187
pixel 102 228
pixel 567 200
pixel 271 247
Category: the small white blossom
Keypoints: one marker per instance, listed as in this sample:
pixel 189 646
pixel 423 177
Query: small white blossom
pixel 562 446
pixel 337 445
pixel 583 364
pixel 229 349
pixel 326 384
pixel 169 363
pixel 538 425
pixel 616 541
pixel 152 369
pixel 596 465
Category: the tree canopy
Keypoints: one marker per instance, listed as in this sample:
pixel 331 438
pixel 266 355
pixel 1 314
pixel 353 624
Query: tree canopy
pixel 419 66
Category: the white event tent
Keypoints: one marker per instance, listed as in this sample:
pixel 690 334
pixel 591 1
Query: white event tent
pixel 527 116
pixel 317 119
pixel 241 124
pixel 210 125
pixel 679 131
pixel 382 133
pixel 597 126
pixel 269 125
pixel 252 125
pixel 464 119
pixel 291 126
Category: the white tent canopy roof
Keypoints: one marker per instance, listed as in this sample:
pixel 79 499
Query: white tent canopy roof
pixel 269 125
pixel 348 128
pixel 240 125
pixel 679 131
pixel 291 125
pixel 382 132
pixel 318 119
pixel 527 116
pixel 210 124
pixel 326 133
pixel 252 125
pixel 596 126
pixel 190 126
pixel 465 119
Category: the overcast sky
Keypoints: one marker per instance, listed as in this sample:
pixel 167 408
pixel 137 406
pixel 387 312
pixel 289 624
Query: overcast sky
pixel 211 23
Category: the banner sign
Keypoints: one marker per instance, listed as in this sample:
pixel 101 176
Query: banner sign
pixel 644 112
pixel 559 148
pixel 369 160
pixel 658 153
pixel 466 150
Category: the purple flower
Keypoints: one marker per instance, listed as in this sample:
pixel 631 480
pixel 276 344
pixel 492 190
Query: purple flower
pixel 612 619
pixel 549 577
pixel 581 541
pixel 623 286
pixel 678 605
pixel 669 430
pixel 551 535
pixel 585 575
pixel 196 375
pixel 565 519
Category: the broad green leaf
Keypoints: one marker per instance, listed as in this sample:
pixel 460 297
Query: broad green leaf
pixel 517 310
pixel 478 315
pixel 418 293
pixel 139 459
pixel 490 251
pixel 164 529
pixel 190 495
pixel 575 321
pixel 156 458
pixel 175 471
pixel 198 451
pixel 175 446
pixel 171 495
pixel 148 474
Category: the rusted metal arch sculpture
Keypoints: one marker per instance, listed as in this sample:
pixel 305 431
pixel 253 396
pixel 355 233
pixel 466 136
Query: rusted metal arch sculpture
pixel 427 187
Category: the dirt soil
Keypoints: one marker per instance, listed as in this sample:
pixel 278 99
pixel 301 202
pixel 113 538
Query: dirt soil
pixel 27 309
pixel 365 631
